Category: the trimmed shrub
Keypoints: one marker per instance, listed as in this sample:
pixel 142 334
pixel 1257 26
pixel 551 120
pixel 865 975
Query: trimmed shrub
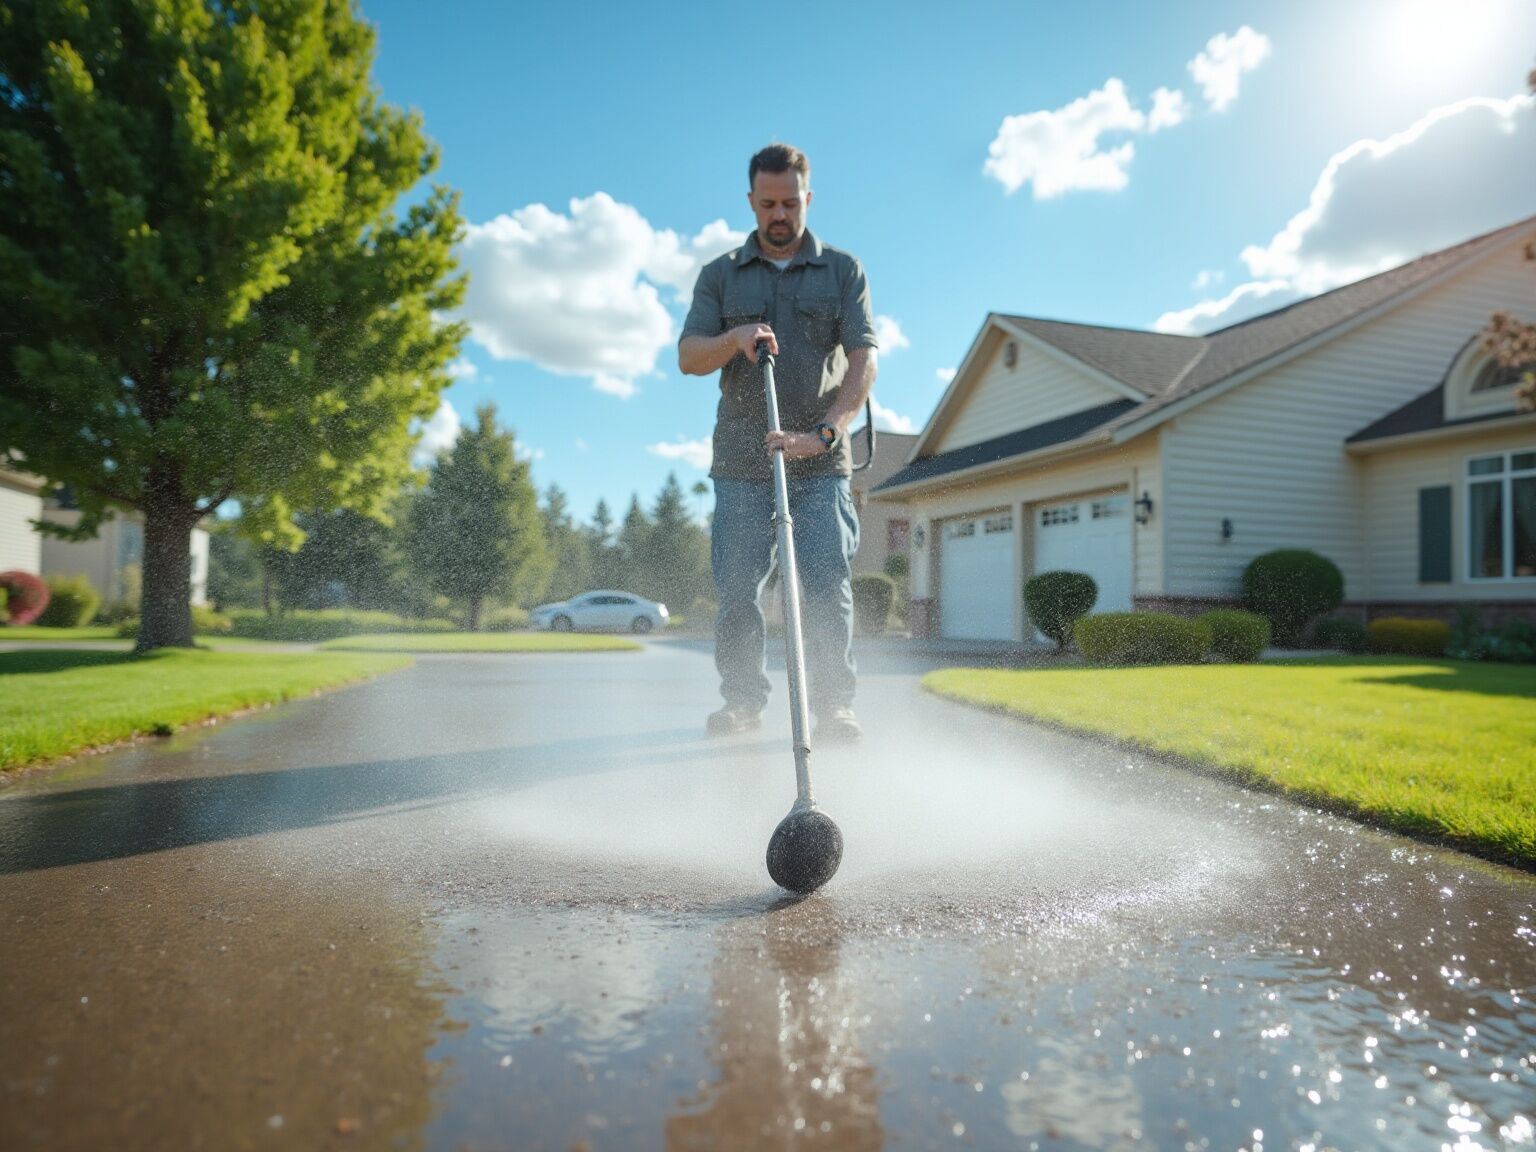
pixel 1056 600
pixel 205 622
pixel 5 597
pixel 872 596
pixel 1289 588
pixel 1393 634
pixel 71 602
pixel 509 619
pixel 1515 643
pixel 898 567
pixel 302 627
pixel 26 599
pixel 1339 632
pixel 1142 638
pixel 1238 637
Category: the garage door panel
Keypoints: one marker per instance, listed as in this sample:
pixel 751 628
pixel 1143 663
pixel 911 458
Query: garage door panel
pixel 976 578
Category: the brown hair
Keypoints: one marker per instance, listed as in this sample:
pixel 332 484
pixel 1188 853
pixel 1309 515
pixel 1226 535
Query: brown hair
pixel 779 158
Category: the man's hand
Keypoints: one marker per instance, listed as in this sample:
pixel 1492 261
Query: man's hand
pixel 747 337
pixel 796 445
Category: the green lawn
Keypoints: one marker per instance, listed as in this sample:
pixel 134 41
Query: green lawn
pixel 31 633
pixel 57 701
pixel 482 642
pixel 1436 748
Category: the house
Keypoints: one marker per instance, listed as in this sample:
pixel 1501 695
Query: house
pixel 113 560
pixel 21 502
pixel 1367 424
pixel 883 526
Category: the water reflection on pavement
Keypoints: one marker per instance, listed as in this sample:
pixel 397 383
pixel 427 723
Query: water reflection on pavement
pixel 552 929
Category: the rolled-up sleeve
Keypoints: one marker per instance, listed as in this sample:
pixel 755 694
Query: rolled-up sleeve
pixel 705 314
pixel 858 321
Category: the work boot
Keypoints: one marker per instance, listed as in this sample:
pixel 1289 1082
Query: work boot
pixel 732 719
pixel 839 726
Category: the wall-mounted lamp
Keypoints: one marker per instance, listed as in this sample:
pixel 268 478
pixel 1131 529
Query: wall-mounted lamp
pixel 1144 508
pixel 1226 529
pixel 919 536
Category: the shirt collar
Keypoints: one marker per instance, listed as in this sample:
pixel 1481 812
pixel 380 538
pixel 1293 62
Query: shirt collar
pixel 810 251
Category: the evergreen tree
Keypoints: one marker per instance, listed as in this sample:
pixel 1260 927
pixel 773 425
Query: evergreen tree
pixel 569 553
pixel 632 549
pixel 476 533
pixel 675 553
pixel 603 552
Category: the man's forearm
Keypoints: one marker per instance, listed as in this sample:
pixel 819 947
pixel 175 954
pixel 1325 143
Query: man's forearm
pixel 701 355
pixel 863 365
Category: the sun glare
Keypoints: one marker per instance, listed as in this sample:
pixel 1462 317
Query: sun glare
pixel 1435 37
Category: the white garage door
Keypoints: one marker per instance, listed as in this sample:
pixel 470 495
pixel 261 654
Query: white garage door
pixel 976 581
pixel 1091 535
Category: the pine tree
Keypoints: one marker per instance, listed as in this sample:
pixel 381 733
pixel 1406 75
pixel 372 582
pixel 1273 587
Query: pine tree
pixel 632 554
pixel 476 533
pixel 603 553
pixel 675 553
pixel 569 554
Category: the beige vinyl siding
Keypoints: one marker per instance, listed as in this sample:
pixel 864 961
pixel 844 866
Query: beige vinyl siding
pixel 1269 454
pixel 1392 480
pixel 1133 468
pixel 20 545
pixel 1038 388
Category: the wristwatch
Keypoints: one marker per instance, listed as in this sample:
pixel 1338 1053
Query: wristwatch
pixel 827 434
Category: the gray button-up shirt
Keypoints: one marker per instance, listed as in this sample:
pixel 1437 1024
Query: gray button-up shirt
pixel 818 307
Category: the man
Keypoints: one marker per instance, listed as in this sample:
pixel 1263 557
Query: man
pixel 810 304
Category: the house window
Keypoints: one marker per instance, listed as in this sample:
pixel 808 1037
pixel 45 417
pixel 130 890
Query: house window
pixel 1493 376
pixel 896 535
pixel 1501 516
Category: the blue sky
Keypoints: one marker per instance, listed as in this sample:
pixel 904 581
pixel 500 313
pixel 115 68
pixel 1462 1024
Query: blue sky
pixel 1013 157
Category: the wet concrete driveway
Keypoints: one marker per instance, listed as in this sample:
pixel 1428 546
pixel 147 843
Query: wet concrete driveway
pixel 519 903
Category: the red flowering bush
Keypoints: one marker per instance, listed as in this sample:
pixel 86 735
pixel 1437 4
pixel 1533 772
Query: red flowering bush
pixel 26 597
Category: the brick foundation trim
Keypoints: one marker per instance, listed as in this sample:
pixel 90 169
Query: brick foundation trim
pixel 1493 613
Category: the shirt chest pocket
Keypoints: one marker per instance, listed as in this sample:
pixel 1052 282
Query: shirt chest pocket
pixel 818 317
pixel 742 309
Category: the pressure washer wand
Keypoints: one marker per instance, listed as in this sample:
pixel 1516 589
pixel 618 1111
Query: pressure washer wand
pixel 794 655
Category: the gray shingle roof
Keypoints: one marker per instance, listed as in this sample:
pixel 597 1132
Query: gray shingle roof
pixel 1167 369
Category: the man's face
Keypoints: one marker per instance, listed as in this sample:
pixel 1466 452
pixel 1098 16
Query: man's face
pixel 779 201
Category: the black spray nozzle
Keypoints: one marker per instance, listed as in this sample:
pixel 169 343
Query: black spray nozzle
pixel 763 355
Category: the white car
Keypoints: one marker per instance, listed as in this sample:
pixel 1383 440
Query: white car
pixel 600 611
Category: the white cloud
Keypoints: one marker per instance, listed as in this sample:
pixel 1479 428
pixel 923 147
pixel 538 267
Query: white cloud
pixel 578 294
pixel 945 375
pixel 697 453
pixel 1060 151
pixel 437 434
pixel 1170 108
pixel 1206 277
pixel 889 336
pixel 1379 203
pixel 889 421
pixel 463 369
pixel 1219 69
pixel 527 453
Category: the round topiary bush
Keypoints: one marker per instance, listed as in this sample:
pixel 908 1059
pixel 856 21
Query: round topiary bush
pixel 26 597
pixel 1055 601
pixel 1340 633
pixel 71 602
pixel 1141 638
pixel 872 597
pixel 1289 588
pixel 1395 634
pixel 1238 637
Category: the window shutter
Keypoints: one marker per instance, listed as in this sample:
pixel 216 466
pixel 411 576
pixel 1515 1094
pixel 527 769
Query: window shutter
pixel 1435 535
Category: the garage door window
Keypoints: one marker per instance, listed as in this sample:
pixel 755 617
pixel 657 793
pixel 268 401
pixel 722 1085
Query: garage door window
pixel 1106 510
pixel 996 524
pixel 957 531
pixel 1063 514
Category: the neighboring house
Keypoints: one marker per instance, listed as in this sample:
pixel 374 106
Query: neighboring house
pixel 1366 423
pixel 119 544
pixel 883 526
pixel 21 502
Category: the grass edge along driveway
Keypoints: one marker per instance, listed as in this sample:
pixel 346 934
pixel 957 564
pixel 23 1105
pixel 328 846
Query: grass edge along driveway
pixel 482 642
pixel 57 702
pixel 1438 749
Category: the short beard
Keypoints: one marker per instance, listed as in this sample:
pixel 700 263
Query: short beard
pixel 765 241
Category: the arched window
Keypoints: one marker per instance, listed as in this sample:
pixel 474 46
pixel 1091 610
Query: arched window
pixel 1493 376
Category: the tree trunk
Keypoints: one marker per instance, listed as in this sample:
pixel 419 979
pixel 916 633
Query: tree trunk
pixel 474 613
pixel 165 613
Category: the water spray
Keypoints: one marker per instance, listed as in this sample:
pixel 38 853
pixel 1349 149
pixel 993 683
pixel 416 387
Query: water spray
pixel 807 846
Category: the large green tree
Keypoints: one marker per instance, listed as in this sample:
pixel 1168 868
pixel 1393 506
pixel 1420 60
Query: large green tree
pixel 674 553
pixel 569 554
pixel 205 290
pixel 606 565
pixel 476 533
